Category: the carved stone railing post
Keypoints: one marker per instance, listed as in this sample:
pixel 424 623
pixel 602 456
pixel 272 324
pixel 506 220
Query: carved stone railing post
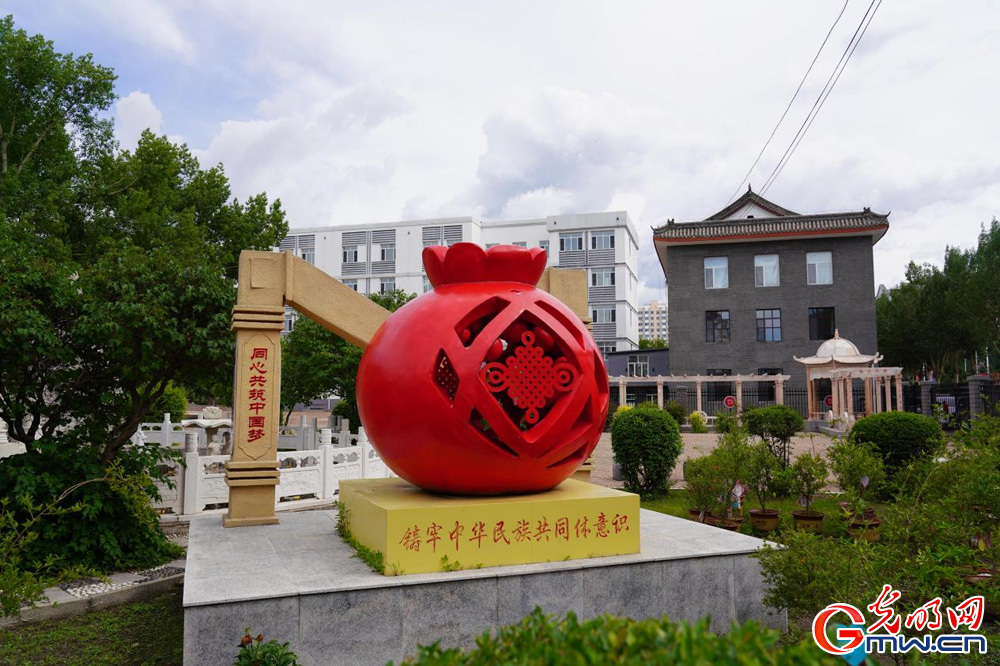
pixel 191 474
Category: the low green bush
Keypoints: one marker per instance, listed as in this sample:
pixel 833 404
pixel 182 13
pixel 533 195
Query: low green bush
pixel 776 425
pixel 808 477
pixel 646 443
pixel 676 410
pixel 851 462
pixel 726 420
pixel 704 477
pixel 899 437
pixel 539 639
pixel 115 526
pixel 698 424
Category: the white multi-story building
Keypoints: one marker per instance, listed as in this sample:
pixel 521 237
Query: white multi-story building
pixel 653 321
pixel 383 257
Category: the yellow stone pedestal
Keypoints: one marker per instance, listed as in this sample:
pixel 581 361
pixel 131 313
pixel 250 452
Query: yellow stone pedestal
pixel 418 532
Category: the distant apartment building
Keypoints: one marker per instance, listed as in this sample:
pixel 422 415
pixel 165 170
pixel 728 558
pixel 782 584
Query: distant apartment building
pixel 386 256
pixel 653 321
pixel 755 285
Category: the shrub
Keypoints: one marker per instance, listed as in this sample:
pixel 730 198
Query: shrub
pixel 115 527
pixel 899 437
pixel 646 404
pixel 726 420
pixel 617 641
pixel 763 468
pixel 676 410
pixel 851 462
pixel 776 425
pixel 734 454
pixel 173 402
pixel 698 424
pixel 646 443
pixel 808 476
pixel 704 477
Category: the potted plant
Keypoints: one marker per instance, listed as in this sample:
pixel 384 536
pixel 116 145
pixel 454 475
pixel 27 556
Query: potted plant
pixel 862 523
pixel 701 488
pixel 851 461
pixel 762 467
pixel 808 476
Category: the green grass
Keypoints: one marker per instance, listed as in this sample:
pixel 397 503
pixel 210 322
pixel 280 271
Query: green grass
pixel 149 632
pixel 676 504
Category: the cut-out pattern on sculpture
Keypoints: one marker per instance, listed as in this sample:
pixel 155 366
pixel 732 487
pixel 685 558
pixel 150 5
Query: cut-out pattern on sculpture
pixel 529 377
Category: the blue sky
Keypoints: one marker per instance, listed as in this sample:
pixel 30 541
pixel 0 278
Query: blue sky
pixel 379 111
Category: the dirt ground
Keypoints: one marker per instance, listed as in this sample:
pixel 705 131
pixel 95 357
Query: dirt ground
pixel 694 446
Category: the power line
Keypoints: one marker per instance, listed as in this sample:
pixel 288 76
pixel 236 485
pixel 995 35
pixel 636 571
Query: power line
pixel 824 93
pixel 790 102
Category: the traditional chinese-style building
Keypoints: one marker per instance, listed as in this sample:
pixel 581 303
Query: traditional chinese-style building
pixel 756 284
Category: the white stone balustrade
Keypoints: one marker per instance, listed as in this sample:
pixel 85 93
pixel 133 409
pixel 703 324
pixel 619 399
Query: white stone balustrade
pixel 313 474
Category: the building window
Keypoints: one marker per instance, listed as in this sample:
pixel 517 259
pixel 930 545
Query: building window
pixel 768 325
pixel 716 272
pixel 638 365
pixel 388 251
pixel 603 315
pixel 544 245
pixel 387 285
pixel 819 267
pixel 602 277
pixel 607 347
pixel 350 254
pixel 765 390
pixel 570 242
pixel 765 270
pixel 602 240
pixel 427 284
pixel 520 244
pixel 353 284
pixel 309 256
pixel 822 323
pixel 717 326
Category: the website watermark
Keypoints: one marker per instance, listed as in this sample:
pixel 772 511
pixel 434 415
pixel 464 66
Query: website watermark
pixel 852 638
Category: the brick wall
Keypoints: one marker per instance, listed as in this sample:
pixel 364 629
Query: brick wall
pixel 852 295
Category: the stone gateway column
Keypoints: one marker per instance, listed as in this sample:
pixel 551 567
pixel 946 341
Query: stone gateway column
pixel 252 472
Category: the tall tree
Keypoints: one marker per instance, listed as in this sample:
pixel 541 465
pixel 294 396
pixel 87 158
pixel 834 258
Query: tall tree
pixel 116 268
pixel 117 277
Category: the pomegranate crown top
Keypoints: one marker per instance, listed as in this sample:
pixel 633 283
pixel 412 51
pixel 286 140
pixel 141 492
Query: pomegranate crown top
pixel 467 262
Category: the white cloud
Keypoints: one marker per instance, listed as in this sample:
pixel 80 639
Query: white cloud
pixel 147 23
pixel 135 113
pixel 539 203
pixel 372 112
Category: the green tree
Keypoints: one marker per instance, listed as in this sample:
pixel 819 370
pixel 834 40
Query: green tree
pixel 652 343
pixel 117 277
pixel 937 317
pixel 316 362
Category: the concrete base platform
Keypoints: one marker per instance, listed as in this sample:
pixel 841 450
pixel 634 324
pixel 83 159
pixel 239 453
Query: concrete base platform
pixel 298 582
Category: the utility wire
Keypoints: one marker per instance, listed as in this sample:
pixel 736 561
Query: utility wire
pixel 859 33
pixel 790 102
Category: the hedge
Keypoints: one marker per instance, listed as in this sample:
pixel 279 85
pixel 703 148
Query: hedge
pixel 541 640
pixel 899 437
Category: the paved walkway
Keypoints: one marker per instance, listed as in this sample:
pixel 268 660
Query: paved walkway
pixel 694 446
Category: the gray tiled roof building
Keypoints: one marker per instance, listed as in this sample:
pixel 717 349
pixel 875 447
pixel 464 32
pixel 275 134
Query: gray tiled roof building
pixel 756 284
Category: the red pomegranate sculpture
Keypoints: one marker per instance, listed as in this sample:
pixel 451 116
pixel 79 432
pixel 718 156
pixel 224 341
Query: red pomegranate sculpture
pixel 485 385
